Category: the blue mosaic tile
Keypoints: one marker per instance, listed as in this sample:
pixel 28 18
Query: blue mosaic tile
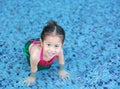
pixel 91 48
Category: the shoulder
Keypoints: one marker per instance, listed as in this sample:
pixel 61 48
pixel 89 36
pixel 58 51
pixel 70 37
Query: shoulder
pixel 35 51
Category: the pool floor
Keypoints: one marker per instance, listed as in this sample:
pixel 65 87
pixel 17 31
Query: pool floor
pixel 91 48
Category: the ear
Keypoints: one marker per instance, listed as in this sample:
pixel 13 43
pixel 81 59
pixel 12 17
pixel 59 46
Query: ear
pixel 63 43
pixel 41 41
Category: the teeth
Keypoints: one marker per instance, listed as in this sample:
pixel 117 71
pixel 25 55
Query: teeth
pixel 50 54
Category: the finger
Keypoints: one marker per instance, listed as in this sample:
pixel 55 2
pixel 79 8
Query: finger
pixel 67 74
pixel 28 84
pixel 65 77
pixel 24 81
pixel 62 77
pixel 68 77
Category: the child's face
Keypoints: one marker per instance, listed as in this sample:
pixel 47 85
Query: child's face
pixel 52 45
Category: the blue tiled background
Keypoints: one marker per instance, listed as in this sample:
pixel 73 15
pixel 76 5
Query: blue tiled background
pixel 92 44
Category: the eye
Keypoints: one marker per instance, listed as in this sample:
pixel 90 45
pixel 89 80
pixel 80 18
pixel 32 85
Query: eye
pixel 56 46
pixel 48 44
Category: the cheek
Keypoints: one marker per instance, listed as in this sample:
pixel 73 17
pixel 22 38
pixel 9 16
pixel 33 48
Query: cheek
pixel 58 50
pixel 45 48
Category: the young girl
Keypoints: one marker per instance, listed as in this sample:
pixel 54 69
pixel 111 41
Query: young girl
pixel 41 53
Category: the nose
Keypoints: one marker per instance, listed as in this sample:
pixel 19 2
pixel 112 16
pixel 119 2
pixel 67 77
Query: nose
pixel 52 49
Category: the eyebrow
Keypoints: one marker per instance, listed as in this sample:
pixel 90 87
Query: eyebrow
pixel 50 43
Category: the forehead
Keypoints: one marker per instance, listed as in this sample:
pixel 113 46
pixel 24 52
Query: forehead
pixel 53 39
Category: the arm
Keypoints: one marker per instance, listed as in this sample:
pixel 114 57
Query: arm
pixel 33 65
pixel 34 59
pixel 61 59
pixel 62 73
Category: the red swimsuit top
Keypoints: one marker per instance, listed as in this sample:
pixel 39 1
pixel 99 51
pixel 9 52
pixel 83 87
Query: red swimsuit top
pixel 42 61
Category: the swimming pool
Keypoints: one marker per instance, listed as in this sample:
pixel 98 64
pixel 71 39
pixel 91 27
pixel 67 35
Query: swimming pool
pixel 92 44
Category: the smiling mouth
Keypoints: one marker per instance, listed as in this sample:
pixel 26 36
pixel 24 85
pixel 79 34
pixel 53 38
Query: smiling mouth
pixel 50 54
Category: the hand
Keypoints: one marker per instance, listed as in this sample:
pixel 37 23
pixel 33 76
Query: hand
pixel 29 80
pixel 63 74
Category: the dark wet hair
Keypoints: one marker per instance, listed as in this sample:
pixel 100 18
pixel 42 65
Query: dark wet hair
pixel 52 28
